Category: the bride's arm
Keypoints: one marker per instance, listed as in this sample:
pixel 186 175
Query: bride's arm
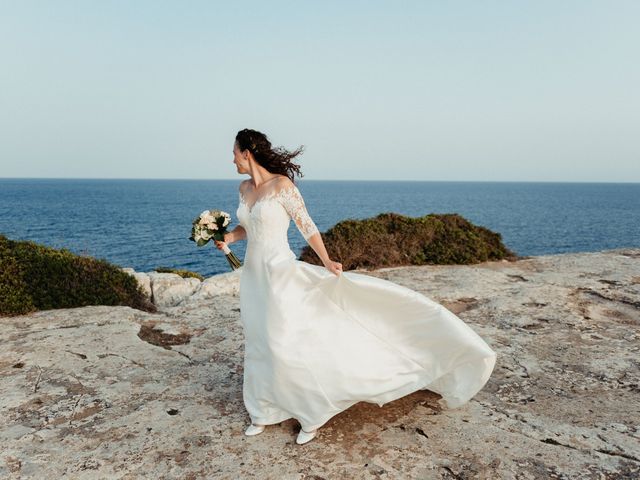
pixel 294 205
pixel 238 233
pixel 315 240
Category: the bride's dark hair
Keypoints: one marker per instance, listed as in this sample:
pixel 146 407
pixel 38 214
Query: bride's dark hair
pixel 274 159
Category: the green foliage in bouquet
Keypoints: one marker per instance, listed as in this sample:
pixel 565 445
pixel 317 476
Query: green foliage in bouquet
pixel 35 277
pixel 182 273
pixel 391 239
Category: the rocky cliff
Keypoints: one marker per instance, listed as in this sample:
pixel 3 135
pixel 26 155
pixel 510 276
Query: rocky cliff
pixel 114 392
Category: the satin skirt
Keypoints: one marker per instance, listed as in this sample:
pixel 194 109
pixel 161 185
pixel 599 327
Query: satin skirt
pixel 316 343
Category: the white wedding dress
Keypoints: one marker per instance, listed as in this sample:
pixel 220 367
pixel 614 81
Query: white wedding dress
pixel 317 343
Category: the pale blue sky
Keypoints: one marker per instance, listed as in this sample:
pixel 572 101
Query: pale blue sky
pixel 420 90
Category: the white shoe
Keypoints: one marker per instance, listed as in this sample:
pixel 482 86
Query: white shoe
pixel 254 429
pixel 304 437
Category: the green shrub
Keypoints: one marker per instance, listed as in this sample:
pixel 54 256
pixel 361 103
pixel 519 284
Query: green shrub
pixel 182 273
pixel 35 277
pixel 391 239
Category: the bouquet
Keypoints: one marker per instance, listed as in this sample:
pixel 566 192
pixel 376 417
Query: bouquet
pixel 212 224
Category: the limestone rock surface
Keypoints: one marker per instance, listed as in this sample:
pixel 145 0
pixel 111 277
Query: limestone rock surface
pixel 170 289
pixel 113 392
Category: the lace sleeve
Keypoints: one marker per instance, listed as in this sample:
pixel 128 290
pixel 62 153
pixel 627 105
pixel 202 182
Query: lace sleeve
pixel 293 203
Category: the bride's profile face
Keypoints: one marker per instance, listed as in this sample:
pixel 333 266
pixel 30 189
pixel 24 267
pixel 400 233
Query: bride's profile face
pixel 241 161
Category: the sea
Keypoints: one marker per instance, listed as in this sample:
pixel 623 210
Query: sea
pixel 146 224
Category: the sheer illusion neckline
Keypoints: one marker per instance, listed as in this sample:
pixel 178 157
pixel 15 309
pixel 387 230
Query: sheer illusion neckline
pixel 266 196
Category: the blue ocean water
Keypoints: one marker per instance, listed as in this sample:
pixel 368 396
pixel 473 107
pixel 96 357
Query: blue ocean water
pixel 145 224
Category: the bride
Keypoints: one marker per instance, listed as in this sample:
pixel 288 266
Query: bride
pixel 317 339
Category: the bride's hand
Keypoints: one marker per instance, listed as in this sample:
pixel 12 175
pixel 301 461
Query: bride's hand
pixel 228 238
pixel 334 267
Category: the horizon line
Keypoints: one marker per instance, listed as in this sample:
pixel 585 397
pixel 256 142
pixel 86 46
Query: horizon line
pixel 325 180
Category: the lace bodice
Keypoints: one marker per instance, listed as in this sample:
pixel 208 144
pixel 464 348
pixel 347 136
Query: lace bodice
pixel 267 220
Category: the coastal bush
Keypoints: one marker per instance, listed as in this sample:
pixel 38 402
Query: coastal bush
pixel 391 239
pixel 36 277
pixel 182 273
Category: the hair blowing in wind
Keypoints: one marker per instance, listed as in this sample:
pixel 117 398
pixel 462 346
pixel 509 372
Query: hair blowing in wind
pixel 274 159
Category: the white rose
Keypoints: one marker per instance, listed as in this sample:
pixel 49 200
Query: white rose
pixel 207 219
pixel 205 235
